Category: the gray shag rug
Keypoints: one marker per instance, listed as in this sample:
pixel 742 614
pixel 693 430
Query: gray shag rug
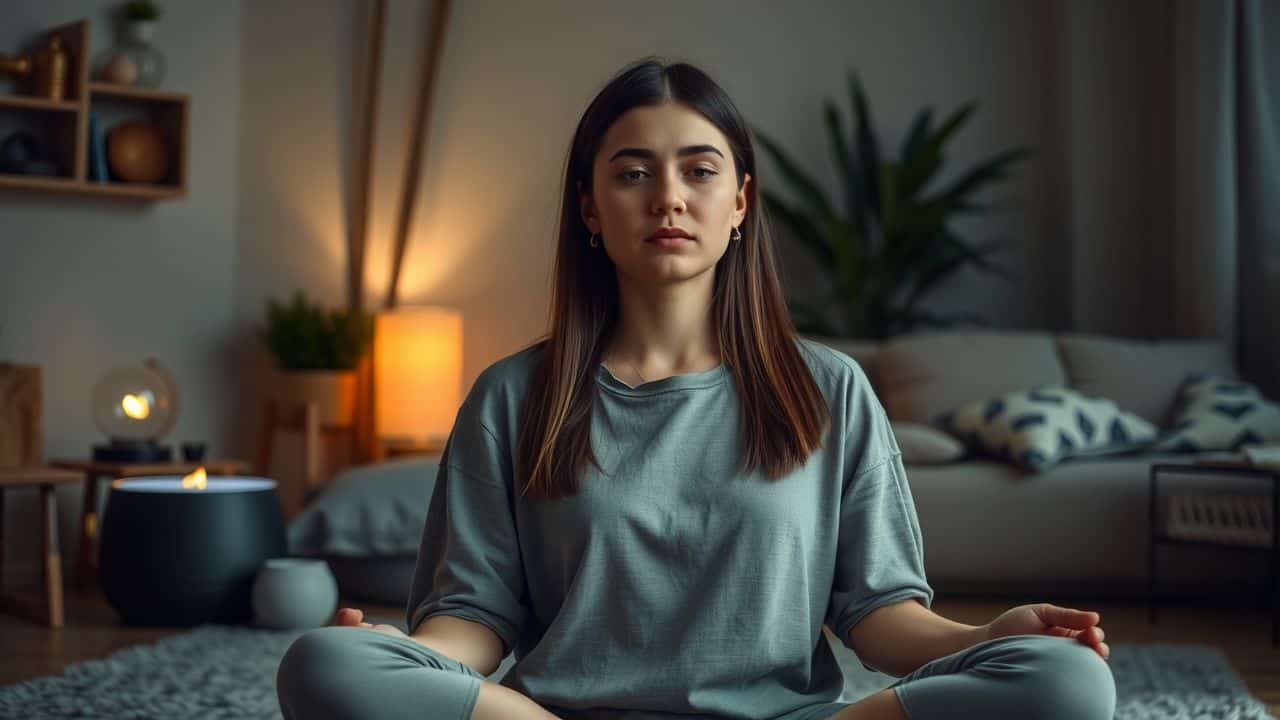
pixel 217 671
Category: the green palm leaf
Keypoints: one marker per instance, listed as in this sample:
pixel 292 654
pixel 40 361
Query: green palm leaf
pixel 804 187
pixel 891 244
pixel 801 228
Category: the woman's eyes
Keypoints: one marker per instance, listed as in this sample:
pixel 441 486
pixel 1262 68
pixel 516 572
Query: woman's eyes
pixel 701 173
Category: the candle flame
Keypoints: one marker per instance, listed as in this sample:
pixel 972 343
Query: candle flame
pixel 198 479
pixel 135 406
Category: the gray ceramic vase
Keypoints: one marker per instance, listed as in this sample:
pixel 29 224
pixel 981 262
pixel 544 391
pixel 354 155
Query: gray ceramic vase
pixel 294 594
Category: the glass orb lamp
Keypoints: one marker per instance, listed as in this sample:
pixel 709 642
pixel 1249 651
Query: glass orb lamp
pixel 134 406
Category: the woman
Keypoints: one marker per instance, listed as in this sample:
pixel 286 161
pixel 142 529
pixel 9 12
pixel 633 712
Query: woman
pixel 659 505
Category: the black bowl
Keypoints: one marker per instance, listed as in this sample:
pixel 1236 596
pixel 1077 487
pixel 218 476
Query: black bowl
pixel 171 556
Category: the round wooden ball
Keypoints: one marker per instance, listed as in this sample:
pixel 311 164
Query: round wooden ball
pixel 136 153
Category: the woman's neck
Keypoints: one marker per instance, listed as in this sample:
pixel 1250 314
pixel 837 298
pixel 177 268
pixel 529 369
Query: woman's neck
pixel 664 332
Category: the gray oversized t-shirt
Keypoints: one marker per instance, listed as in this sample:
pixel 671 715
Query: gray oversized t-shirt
pixel 673 584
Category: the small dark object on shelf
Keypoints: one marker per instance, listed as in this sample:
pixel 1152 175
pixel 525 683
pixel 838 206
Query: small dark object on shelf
pixel 21 153
pixel 133 451
pixel 193 451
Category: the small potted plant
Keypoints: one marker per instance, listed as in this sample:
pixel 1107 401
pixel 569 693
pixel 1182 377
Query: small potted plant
pixel 316 352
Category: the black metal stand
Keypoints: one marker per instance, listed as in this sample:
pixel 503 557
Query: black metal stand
pixel 1157 538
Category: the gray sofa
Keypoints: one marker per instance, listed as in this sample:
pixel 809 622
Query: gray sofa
pixel 1079 529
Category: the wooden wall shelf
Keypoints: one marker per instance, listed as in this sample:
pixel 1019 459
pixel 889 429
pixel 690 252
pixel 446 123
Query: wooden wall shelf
pixel 64 126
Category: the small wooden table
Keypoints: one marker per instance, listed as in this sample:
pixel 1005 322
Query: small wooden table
pixel 50 609
pixel 94 470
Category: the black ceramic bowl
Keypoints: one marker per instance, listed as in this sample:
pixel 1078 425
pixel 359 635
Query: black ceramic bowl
pixel 174 556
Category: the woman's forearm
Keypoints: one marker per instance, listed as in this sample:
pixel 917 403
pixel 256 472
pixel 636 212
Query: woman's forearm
pixel 470 643
pixel 897 639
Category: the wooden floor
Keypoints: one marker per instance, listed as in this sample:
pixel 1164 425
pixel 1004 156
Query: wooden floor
pixel 28 650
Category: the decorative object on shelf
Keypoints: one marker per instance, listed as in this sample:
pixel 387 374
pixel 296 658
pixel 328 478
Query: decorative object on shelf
pixel 136 152
pixel 134 405
pixel 98 171
pixel 50 80
pixel 888 240
pixel 134 60
pixel 193 451
pixel 22 153
pixel 16 66
pixel 294 594
pixel 418 366
pixel 120 70
pixel 21 416
pixel 182 551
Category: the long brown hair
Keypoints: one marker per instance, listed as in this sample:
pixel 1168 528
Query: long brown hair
pixel 784 414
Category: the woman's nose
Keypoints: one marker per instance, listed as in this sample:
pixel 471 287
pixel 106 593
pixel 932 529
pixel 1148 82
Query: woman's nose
pixel 668 197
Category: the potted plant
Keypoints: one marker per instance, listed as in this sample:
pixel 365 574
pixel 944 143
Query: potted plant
pixel 316 352
pixel 889 240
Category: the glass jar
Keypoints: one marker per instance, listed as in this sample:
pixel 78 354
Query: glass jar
pixel 134 60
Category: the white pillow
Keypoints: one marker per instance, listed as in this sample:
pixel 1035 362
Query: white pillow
pixel 924 445
pixel 1038 428
pixel 1216 413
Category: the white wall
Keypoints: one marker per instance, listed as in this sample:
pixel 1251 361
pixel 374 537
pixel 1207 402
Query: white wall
pixel 87 284
pixel 516 77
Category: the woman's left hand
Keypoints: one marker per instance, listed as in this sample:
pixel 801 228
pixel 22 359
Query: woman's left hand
pixel 1046 619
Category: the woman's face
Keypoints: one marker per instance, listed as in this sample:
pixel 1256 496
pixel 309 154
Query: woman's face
pixel 663 166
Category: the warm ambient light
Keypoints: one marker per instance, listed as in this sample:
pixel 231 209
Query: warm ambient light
pixel 136 406
pixel 417 373
pixel 198 479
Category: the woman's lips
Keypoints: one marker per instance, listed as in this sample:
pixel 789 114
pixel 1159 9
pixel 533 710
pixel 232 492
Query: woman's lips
pixel 669 242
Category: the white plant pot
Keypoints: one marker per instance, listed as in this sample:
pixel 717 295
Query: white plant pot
pixel 294 594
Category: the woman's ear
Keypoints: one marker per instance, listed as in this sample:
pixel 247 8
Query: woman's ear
pixel 740 204
pixel 587 209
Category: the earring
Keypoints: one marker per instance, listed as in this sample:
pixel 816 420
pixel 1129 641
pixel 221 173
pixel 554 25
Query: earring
pixel 736 234
pixel 593 242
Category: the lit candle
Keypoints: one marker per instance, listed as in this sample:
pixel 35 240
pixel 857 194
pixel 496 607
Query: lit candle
pixel 176 484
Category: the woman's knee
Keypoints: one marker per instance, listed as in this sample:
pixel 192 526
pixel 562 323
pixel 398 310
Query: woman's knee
pixel 313 662
pixel 1064 679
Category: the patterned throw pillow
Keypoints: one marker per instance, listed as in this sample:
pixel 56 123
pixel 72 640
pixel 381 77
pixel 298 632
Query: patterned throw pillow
pixel 1038 428
pixel 1215 413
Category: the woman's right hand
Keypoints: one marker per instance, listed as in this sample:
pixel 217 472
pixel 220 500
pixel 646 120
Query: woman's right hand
pixel 353 617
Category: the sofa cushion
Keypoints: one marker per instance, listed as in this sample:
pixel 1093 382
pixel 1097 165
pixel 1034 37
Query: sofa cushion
pixel 924 374
pixel 1141 376
pixel 1038 428
pixel 924 445
pixel 1215 413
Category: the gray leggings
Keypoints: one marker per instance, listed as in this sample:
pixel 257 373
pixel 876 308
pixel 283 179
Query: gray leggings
pixel 344 672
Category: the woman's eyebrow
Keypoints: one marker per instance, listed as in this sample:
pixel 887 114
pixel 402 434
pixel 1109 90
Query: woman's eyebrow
pixel 649 154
